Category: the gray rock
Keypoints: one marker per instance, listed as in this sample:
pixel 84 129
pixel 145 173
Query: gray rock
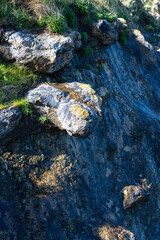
pixel 74 107
pixel 132 194
pixel 44 52
pixel 108 232
pixel 9 119
pixel 104 31
pixel 122 24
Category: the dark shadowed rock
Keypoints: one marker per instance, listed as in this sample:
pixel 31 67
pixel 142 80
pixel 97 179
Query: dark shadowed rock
pixel 106 32
pixel 9 119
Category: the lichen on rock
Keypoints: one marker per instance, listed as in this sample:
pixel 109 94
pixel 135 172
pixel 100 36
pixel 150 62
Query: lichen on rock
pixel 74 107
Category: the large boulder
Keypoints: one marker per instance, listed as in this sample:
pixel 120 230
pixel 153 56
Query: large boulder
pixel 9 119
pixel 46 52
pixel 106 32
pixel 74 107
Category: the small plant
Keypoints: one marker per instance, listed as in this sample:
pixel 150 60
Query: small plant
pixel 101 68
pixel 88 21
pixel 149 28
pixel 70 17
pixel 22 18
pixel 82 7
pixel 88 67
pixel 87 51
pixel 122 38
pixel 42 119
pixel 55 23
pixel 84 36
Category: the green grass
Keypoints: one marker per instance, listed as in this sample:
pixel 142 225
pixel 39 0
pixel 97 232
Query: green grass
pixel 70 16
pixel 22 104
pixel 54 23
pixel 14 81
pixel 54 17
pixel 11 14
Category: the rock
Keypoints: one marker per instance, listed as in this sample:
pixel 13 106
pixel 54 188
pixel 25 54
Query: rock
pixel 132 194
pixel 122 24
pixel 109 232
pixel 9 119
pixel 104 94
pixel 46 53
pixel 74 107
pixel 104 31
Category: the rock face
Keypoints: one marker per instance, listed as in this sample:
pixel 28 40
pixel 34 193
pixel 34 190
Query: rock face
pixel 59 187
pixel 9 119
pixel 106 32
pixel 46 53
pixel 74 107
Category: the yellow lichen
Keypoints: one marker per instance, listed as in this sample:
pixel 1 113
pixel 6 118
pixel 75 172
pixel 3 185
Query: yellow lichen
pixel 137 32
pixel 83 85
pixel 79 111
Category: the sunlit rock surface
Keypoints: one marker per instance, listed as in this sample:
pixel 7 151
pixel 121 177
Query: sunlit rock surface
pixel 46 53
pixel 74 107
